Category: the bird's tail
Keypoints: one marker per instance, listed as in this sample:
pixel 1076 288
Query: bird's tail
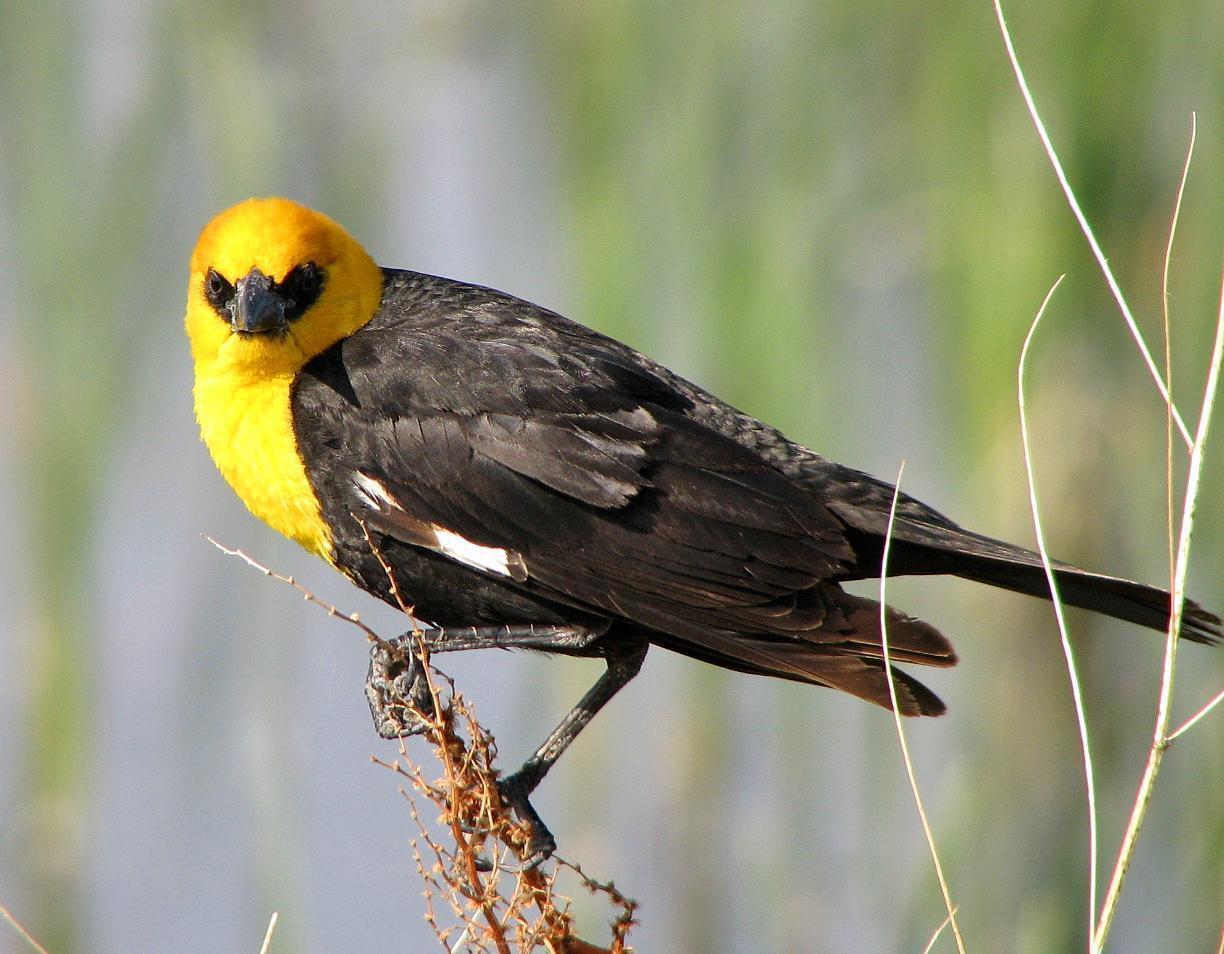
pixel 923 548
pixel 843 650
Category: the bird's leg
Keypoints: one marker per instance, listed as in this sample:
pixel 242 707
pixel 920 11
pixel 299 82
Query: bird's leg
pixel 624 660
pixel 396 675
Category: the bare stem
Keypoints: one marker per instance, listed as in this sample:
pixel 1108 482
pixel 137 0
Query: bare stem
pixel 1168 345
pixel 267 941
pixel 938 931
pixel 1194 719
pixel 905 753
pixel 1085 227
pixel 468 792
pixel 353 618
pixel 1160 738
pixel 479 895
pixel 1064 637
pixel 25 935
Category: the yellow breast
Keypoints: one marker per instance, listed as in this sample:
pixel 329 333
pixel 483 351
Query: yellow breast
pixel 248 428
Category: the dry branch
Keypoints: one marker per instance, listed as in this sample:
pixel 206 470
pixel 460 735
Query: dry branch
pixel 492 902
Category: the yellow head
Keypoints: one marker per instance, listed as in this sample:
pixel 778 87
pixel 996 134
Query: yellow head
pixel 273 284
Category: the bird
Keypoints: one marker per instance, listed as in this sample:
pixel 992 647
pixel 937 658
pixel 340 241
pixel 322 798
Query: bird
pixel 520 481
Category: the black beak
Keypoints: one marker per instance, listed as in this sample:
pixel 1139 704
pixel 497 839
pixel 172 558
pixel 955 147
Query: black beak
pixel 256 306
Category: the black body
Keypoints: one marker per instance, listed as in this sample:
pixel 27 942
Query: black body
pixel 632 502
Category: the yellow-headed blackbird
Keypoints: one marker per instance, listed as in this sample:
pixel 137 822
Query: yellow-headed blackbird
pixel 531 483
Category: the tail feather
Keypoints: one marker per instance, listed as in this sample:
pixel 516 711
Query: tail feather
pixel 1122 599
pixel 845 653
pixel 920 547
pixel 831 638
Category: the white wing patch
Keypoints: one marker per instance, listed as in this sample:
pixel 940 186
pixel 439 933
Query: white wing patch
pixel 372 493
pixel 503 562
pixel 491 559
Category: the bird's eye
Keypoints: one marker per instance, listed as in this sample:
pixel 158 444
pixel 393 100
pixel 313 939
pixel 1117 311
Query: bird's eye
pixel 310 279
pixel 301 288
pixel 217 290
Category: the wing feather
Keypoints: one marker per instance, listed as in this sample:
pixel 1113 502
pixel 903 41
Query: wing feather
pixel 578 477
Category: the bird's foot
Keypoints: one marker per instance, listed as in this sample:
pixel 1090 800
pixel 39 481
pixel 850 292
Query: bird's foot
pixel 397 691
pixel 515 791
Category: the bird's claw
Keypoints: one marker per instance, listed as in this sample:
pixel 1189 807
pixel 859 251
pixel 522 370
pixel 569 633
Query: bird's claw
pixel 397 690
pixel 515 791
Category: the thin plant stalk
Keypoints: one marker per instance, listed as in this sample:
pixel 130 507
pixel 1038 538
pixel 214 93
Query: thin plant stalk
pixel 1194 719
pixel 1059 615
pixel 1102 262
pixel 1169 377
pixel 25 935
pixel 938 931
pixel 1168 343
pixel 905 753
pixel 1160 738
pixel 267 941
pixel 331 610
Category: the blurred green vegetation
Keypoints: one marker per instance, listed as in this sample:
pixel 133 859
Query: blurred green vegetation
pixel 837 217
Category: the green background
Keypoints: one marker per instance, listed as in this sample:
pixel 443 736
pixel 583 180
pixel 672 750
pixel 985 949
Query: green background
pixel 837 216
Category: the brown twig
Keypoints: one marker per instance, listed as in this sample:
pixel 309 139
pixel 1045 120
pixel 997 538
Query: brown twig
pixel 528 913
pixel 331 610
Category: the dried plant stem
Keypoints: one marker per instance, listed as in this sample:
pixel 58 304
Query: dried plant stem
pixel 905 753
pixel 1164 287
pixel 938 931
pixel 331 610
pixel 1059 615
pixel 474 813
pixel 1102 262
pixel 1194 719
pixel 25 935
pixel 1170 508
pixel 267 941
pixel 448 747
pixel 1179 562
pixel 1160 738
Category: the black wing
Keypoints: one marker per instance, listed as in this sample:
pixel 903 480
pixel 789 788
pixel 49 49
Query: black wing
pixel 462 423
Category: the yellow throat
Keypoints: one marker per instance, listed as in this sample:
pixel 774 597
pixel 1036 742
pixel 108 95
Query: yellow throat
pixel 243 382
